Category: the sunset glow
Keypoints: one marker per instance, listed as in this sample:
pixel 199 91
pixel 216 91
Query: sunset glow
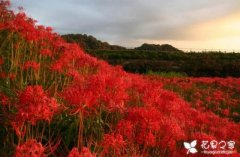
pixel 188 25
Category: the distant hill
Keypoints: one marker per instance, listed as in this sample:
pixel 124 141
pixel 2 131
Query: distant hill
pixel 157 47
pixel 89 42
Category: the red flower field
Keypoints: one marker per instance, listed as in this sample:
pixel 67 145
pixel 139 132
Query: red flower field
pixel 56 100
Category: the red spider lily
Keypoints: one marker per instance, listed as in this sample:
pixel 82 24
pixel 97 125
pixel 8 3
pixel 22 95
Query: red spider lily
pixel 70 54
pixel 226 112
pixel 150 139
pixel 31 148
pixel 4 12
pixel 57 66
pixel 113 144
pixel 31 64
pixel 148 125
pixel 91 92
pixel 4 75
pixel 23 25
pixel 126 128
pixel 74 74
pixel 114 94
pixel 85 152
pixel 46 52
pixel 12 76
pixel 35 105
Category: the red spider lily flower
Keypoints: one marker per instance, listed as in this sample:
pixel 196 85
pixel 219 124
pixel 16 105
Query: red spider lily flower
pixel 3 75
pixel 57 66
pixel 35 105
pixel 126 128
pixel 113 143
pixel 74 74
pixel 85 152
pixel 31 148
pixel 80 99
pixel 226 112
pixel 31 64
pixel 150 139
pixel 12 76
pixel 49 29
pixel 3 8
pixel 46 52
pixel 24 25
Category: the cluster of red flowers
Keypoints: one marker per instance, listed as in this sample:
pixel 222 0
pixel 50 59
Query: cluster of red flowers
pixel 85 152
pixel 123 114
pixel 31 64
pixel 33 105
pixel 46 52
pixel 220 95
pixel 114 143
pixel 31 148
pixel 101 88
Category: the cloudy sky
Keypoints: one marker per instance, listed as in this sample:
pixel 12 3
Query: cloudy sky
pixel 210 24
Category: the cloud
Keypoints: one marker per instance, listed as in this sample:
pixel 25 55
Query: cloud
pixel 128 21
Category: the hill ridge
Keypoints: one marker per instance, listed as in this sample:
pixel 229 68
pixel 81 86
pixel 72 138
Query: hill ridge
pixel 89 42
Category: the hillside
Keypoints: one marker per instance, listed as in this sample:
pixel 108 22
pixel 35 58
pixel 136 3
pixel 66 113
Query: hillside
pixel 157 47
pixel 88 42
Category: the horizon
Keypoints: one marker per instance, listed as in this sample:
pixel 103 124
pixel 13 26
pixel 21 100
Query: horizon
pixel 185 25
pixel 183 49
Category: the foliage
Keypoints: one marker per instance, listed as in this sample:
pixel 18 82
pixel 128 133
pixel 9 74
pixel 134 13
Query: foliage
pixel 193 64
pixel 167 74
